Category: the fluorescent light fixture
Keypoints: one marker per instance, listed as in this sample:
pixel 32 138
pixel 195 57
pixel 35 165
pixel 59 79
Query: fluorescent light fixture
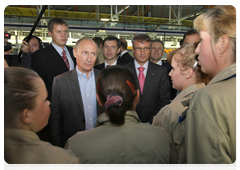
pixel 104 19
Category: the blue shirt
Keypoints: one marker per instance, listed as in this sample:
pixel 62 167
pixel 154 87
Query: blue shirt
pixel 88 92
pixel 59 50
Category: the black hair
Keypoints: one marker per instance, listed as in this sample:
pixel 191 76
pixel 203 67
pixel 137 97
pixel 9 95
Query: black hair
pixel 112 38
pixel 190 32
pixel 39 40
pixel 98 40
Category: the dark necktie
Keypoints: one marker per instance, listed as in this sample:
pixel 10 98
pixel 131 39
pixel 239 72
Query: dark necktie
pixel 64 57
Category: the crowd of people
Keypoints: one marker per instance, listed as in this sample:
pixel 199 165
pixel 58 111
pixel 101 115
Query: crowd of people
pixel 97 104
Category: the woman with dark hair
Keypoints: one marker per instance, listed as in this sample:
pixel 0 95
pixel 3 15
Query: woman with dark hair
pixel 119 136
pixel 26 111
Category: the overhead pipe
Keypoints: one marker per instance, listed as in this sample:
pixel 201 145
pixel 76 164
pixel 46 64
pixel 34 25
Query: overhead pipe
pixel 44 7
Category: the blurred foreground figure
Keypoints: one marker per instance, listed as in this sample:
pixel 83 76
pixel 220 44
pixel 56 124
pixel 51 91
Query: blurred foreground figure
pixel 119 136
pixel 211 117
pixel 26 111
pixel 186 77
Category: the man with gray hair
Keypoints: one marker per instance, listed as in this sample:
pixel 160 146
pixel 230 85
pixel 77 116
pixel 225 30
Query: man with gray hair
pixel 74 106
pixel 157 51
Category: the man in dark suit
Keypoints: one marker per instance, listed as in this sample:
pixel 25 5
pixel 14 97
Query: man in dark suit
pixel 157 51
pixel 74 106
pixel 111 47
pixel 124 56
pixel 152 79
pixel 49 62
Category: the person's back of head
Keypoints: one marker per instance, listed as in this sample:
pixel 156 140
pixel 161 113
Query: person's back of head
pixel 124 44
pixel 98 41
pixel 22 89
pixel 116 91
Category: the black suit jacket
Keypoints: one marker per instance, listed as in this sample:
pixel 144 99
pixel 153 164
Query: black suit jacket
pixel 102 66
pixel 48 63
pixel 156 91
pixel 125 58
pixel 67 112
pixel 172 90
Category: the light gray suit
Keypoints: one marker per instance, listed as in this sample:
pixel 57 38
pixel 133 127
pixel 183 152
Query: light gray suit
pixel 67 112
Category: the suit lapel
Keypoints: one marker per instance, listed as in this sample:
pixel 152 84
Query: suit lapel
pixel 76 88
pixel 149 77
pixel 70 50
pixel 56 59
pixel 132 68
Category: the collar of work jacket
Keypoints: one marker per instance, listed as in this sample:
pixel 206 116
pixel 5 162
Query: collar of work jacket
pixel 226 73
pixel 130 117
pixel 188 91
pixel 19 136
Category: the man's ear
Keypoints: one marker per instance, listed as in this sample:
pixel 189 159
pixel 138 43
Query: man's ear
pixel 119 50
pixel 74 52
pixel 189 73
pixel 25 117
pixel 99 101
pixel 50 33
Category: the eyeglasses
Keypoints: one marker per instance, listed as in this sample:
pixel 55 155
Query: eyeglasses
pixel 140 49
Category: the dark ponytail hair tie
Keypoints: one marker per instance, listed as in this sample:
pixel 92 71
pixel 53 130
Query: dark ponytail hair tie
pixel 113 99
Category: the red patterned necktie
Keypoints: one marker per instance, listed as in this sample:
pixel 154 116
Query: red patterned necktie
pixel 141 78
pixel 64 57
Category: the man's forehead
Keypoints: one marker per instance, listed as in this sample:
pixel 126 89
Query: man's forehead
pixel 157 44
pixel 110 41
pixel 142 42
pixel 192 37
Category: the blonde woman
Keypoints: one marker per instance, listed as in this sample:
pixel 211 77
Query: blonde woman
pixel 211 117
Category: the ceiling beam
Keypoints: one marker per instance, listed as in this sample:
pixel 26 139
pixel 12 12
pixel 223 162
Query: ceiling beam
pixel 114 16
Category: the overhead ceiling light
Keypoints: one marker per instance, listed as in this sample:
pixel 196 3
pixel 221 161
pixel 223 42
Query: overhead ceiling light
pixel 104 19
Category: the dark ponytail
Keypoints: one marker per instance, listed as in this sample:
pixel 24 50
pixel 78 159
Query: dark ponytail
pixel 118 84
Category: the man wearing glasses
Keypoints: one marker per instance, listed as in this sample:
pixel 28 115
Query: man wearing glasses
pixel 153 82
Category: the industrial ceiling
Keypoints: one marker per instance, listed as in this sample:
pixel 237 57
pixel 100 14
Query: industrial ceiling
pixel 149 17
pixel 165 21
